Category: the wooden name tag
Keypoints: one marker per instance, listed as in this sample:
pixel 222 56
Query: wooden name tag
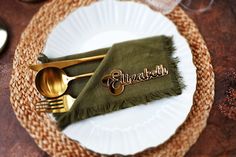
pixel 117 80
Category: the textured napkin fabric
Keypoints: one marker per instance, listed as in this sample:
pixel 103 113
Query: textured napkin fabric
pixel 132 57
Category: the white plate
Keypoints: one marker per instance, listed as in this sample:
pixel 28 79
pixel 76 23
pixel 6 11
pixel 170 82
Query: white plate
pixel 134 129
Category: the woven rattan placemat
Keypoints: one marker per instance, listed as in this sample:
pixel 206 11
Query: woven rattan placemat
pixel 44 131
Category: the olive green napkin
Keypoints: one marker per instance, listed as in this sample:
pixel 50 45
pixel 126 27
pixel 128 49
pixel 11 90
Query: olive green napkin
pixel 132 57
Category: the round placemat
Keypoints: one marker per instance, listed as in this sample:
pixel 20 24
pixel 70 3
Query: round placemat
pixel 45 132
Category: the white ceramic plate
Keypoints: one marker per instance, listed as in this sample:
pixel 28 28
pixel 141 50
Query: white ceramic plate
pixel 134 129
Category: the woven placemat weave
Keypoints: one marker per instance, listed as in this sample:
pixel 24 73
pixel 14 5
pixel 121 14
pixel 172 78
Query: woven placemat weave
pixel 44 131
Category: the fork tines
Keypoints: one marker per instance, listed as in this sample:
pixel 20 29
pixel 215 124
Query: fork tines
pixel 49 105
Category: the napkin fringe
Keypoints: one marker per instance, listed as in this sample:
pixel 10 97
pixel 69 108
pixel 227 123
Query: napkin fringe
pixel 177 78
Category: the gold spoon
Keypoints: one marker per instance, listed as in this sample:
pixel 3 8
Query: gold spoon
pixel 65 63
pixel 53 82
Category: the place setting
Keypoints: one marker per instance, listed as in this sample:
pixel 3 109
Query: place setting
pixel 112 78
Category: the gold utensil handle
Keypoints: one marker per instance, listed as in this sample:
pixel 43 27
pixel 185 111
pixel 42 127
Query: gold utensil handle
pixel 66 63
pixel 80 76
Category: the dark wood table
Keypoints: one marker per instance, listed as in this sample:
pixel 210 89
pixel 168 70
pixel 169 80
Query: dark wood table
pixel 218 27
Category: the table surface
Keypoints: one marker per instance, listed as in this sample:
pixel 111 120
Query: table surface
pixel 218 27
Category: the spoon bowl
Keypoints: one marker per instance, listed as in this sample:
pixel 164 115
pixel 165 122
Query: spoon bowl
pixel 53 82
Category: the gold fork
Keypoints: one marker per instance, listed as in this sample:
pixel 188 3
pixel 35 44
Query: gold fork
pixel 57 105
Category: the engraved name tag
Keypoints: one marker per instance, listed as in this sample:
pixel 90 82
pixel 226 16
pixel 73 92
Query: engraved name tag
pixel 117 80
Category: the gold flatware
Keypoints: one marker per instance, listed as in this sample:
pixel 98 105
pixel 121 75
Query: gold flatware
pixel 53 82
pixel 57 105
pixel 66 63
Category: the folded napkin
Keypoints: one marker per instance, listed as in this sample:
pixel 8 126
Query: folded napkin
pixel 144 69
